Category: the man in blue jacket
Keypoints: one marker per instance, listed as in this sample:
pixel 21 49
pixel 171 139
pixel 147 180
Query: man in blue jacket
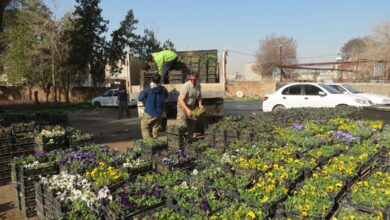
pixel 153 98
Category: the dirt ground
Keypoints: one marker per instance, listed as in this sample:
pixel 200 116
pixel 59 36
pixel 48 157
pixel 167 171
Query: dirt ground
pixel 107 129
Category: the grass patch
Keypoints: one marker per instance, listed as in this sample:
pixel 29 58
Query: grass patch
pixel 45 107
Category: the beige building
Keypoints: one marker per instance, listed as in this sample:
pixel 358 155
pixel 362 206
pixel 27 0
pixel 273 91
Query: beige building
pixel 249 74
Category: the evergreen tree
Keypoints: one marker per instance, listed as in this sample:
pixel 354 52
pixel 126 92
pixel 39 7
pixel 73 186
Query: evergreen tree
pixel 123 39
pixel 148 44
pixel 168 45
pixel 87 43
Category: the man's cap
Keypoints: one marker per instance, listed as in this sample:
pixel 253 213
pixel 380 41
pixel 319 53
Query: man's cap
pixel 192 76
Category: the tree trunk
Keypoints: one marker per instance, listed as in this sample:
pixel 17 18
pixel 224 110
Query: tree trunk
pixel 36 101
pixel 47 93
pixel 59 94
pixel 55 98
pixel 30 93
pixel 53 76
pixel 67 90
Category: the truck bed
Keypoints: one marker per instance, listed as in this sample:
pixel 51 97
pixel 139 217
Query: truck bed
pixel 209 91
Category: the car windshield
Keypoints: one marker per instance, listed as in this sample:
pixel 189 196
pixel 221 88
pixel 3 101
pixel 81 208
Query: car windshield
pixel 338 88
pixel 351 89
pixel 329 89
pixel 108 93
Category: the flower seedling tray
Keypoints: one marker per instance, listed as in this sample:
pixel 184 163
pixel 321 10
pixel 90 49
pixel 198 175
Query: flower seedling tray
pixel 39 193
pixel 5 142
pixel 165 168
pixel 251 174
pixel 205 215
pixel 42 140
pixel 138 170
pixel 195 118
pixel 154 148
pixel 294 214
pixel 23 140
pixel 54 207
pixel 5 166
pixel 138 214
pixel 176 141
pixel 22 128
pixel 366 167
pixel 47 169
pixel 5 178
pixel 26 191
pixel 364 207
pixel 80 143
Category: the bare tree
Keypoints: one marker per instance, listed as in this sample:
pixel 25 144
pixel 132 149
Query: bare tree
pixel 275 50
pixel 354 49
pixel 378 49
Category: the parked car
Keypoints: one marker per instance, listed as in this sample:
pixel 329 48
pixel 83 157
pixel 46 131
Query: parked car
pixel 109 98
pixel 297 95
pixel 348 89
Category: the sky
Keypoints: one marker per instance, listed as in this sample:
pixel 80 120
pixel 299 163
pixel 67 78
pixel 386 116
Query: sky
pixel 320 27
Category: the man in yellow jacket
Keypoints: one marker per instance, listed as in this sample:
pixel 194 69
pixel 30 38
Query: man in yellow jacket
pixel 165 60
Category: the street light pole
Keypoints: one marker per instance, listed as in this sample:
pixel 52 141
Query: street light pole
pixel 280 61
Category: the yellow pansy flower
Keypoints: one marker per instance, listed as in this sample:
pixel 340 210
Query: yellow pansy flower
pixel 251 215
pixel 264 199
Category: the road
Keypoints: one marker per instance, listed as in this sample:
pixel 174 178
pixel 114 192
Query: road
pixel 241 107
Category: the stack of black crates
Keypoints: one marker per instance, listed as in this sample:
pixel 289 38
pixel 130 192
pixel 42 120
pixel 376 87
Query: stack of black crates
pixel 202 62
pixel 24 179
pixel 15 141
pixel 176 137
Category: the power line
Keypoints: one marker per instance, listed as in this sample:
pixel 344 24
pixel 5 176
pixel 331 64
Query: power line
pixel 238 52
pixel 311 57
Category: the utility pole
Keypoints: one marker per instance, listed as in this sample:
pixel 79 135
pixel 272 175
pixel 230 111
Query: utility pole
pixel 224 61
pixel 128 77
pixel 280 61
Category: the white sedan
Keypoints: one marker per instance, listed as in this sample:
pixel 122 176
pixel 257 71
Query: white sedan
pixel 109 98
pixel 315 95
pixel 348 89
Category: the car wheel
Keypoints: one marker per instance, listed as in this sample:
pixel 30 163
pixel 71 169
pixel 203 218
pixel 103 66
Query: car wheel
pixel 279 107
pixel 97 104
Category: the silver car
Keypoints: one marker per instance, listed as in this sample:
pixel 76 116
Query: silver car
pixel 348 89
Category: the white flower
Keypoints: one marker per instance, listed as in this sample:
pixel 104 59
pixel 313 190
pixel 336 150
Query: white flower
pixel 104 193
pixel 184 185
pixel 133 163
pixel 195 172
pixel 226 158
pixel 32 165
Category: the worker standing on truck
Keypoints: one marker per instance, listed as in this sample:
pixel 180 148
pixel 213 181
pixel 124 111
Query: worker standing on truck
pixel 165 60
pixel 153 98
pixel 189 94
